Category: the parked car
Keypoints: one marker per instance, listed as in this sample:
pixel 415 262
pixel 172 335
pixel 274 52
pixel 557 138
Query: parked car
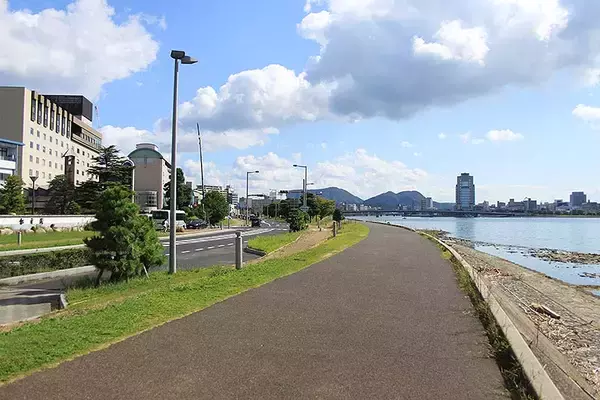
pixel 255 222
pixel 196 224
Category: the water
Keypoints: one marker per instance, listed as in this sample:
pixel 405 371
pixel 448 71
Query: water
pixel 571 234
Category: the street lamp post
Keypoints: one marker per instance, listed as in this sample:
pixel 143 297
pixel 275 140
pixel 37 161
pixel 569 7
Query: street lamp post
pixel 178 56
pixel 130 164
pixel 33 179
pixel 247 205
pixel 304 182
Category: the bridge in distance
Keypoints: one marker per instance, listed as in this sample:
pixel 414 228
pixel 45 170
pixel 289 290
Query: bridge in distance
pixel 431 213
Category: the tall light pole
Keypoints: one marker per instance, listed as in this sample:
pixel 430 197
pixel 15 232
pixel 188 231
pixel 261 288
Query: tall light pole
pixel 201 169
pixel 178 56
pixel 130 164
pixel 304 183
pixel 247 204
pixel 33 179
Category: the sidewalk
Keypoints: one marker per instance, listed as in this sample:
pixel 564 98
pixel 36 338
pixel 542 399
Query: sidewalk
pixel 382 320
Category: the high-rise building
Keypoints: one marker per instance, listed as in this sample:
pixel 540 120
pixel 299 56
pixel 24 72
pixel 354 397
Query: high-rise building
pixel 465 192
pixel 577 199
pixel 152 171
pixel 46 135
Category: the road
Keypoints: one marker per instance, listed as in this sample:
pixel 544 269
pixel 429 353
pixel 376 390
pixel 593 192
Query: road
pixel 204 251
pixel 384 319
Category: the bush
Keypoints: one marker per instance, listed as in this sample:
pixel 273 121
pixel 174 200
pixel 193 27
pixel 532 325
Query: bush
pixel 298 220
pixel 44 262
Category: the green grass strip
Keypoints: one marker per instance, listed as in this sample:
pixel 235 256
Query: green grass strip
pixel 105 315
pixel 42 240
pixel 269 244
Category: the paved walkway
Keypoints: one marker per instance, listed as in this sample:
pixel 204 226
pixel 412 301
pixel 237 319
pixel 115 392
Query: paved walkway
pixel 382 320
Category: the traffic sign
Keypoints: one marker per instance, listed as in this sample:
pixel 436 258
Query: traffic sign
pixel 304 208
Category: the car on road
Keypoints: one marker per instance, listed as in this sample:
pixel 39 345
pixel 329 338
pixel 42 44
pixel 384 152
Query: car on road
pixel 196 224
pixel 255 222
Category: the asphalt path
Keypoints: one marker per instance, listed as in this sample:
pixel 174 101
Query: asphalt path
pixel 203 251
pixel 384 319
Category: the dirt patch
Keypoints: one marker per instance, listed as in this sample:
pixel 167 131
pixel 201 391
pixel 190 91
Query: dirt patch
pixel 576 333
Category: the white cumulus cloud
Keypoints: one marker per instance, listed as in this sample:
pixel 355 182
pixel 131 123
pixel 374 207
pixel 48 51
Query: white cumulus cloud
pixel 505 135
pixel 587 113
pixel 74 50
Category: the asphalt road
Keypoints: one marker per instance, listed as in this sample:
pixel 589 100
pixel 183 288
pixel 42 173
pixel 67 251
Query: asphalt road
pixel 381 320
pixel 204 251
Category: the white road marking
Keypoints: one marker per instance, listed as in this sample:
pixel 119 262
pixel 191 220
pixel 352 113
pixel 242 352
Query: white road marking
pixel 200 249
pixel 221 245
pixel 230 244
pixel 211 247
pixel 167 254
pixel 185 252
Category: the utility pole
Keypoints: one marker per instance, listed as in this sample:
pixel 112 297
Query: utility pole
pixel 201 168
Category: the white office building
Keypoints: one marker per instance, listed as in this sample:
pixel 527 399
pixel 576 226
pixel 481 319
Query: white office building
pixel 465 192
pixel 44 136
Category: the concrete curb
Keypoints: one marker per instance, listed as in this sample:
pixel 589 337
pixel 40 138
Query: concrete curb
pixel 256 252
pixel 533 369
pixel 61 273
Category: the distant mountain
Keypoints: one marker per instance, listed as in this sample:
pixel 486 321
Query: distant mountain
pixel 331 193
pixel 391 200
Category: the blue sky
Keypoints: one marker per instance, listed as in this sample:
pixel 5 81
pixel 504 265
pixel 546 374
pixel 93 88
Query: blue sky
pixel 405 94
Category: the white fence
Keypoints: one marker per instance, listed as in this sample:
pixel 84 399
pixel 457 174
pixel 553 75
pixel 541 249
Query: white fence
pixel 18 222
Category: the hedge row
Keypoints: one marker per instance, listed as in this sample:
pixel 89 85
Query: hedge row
pixel 43 262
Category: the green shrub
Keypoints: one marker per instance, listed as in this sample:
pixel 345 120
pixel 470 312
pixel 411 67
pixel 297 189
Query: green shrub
pixel 43 262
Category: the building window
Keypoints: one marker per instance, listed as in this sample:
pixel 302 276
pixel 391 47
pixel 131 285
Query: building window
pixel 37 147
pixel 78 161
pixel 31 131
pixel 44 162
pixel 57 122
pixel 30 158
pixel 49 176
pixel 44 136
pixel 68 129
pixel 83 152
pixel 50 139
pixel 77 151
pixel 43 149
pixel 37 173
pixel 39 112
pixel 38 133
pixel 77 172
pixel 30 172
pixel 43 174
pixel 45 114
pixel 31 145
pixel 78 182
pixel 33 105
pixel 52 119
pixel 64 122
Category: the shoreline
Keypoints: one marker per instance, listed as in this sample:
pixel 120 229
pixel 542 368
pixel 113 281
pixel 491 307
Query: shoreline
pixel 574 329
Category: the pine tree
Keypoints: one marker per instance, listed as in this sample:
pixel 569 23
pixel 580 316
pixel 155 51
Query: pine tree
pixel 62 194
pixel 184 192
pixel 12 199
pixel 126 242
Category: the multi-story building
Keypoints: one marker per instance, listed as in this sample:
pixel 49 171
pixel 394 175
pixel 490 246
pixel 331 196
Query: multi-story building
pixel 151 173
pixel 465 192
pixel 426 204
pixel 530 205
pixel 577 199
pixel 44 136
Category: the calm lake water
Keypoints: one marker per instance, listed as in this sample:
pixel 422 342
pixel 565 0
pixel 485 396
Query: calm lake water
pixel 572 234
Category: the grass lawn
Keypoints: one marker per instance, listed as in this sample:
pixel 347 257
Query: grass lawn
pixel 38 240
pixel 98 317
pixel 269 244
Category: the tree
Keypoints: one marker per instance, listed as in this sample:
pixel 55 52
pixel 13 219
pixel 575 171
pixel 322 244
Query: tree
pixel 12 199
pixel 109 167
pixel 126 242
pixel 325 207
pixel 337 215
pixel 284 209
pixel 62 194
pixel 298 220
pixel 216 207
pixel 184 192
